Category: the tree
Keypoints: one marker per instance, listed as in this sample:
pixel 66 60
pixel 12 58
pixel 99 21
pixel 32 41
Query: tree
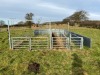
pixel 29 18
pixel 2 23
pixel 77 17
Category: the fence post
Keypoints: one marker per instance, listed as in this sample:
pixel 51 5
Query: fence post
pixel 9 35
pixel 12 44
pixel 50 39
pixel 30 44
pixel 69 40
pixel 81 44
pixel 52 42
pixel 48 42
pixel 66 41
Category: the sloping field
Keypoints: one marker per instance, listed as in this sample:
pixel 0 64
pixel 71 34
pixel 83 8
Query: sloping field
pixel 52 62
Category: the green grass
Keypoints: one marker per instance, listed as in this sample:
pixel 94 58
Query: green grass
pixel 94 34
pixel 52 62
pixel 16 62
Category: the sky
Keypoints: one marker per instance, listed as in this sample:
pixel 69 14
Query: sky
pixel 48 10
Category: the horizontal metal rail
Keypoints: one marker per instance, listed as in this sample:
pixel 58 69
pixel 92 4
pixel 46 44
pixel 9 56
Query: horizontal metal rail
pixel 66 42
pixel 29 42
pixel 76 42
pixel 32 43
pixel 60 42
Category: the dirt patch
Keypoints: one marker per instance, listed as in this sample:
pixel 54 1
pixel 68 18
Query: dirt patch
pixel 34 67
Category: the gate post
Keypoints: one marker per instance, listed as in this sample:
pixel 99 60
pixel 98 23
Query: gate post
pixel 12 44
pixel 52 42
pixel 50 39
pixel 81 44
pixel 69 40
pixel 9 36
pixel 30 44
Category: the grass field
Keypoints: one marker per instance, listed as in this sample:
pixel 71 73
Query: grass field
pixel 52 62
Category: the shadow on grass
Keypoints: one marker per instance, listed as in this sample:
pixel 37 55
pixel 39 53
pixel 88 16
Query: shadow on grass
pixel 77 68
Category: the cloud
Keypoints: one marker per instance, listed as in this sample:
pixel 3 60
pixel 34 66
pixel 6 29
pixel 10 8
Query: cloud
pixel 48 9
pixel 54 8
pixel 94 16
pixel 51 6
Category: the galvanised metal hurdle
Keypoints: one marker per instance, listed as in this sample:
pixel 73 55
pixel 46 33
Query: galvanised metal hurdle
pixel 29 43
pixel 61 41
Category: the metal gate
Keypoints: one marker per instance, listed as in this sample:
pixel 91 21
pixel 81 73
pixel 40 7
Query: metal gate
pixel 76 42
pixel 67 43
pixel 29 43
pixel 60 42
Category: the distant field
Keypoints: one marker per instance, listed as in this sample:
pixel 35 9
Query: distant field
pixel 56 62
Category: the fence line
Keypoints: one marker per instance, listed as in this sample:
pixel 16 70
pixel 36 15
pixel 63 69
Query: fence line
pixel 29 43
pixel 32 43
pixel 63 39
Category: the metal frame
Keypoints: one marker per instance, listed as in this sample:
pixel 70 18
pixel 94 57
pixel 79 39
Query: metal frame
pixel 64 42
pixel 76 42
pixel 67 42
pixel 29 43
pixel 9 36
pixel 32 43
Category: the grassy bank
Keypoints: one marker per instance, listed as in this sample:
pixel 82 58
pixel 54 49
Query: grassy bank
pixel 56 62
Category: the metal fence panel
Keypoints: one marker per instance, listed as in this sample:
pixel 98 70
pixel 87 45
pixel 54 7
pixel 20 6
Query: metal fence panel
pixel 60 42
pixel 86 42
pixel 76 42
pixel 30 43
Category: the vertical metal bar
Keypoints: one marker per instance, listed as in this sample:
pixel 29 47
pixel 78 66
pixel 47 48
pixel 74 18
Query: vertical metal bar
pixel 52 42
pixel 50 36
pixel 70 40
pixel 30 44
pixel 48 42
pixel 81 44
pixel 9 35
pixel 12 44
pixel 66 42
